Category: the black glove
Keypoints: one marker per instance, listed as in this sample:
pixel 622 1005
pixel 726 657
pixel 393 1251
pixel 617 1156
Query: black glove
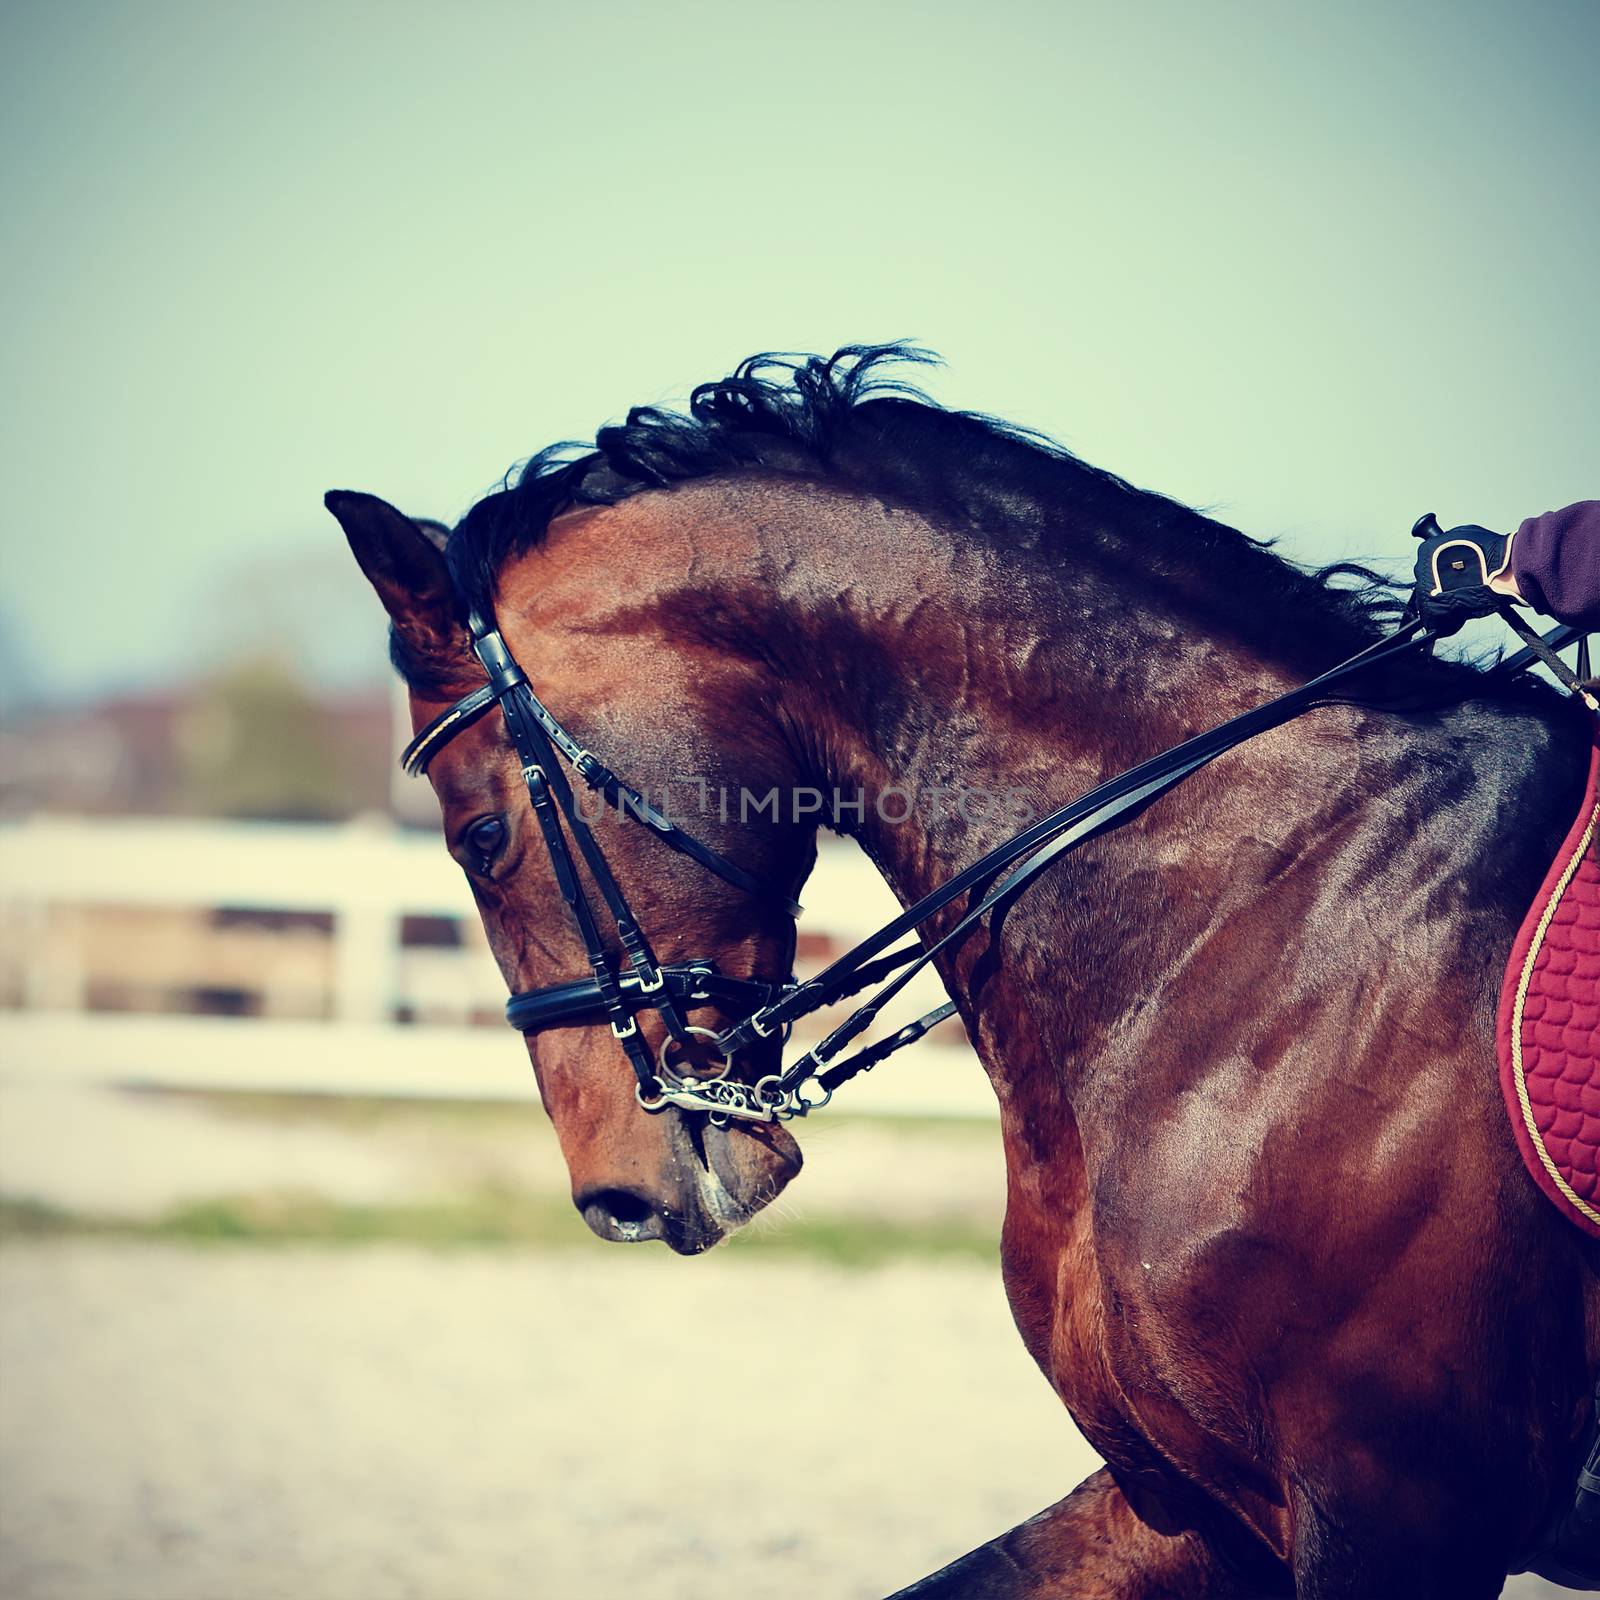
pixel 1453 570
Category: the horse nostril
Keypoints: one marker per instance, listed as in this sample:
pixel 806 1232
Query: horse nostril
pixel 620 1214
pixel 626 1207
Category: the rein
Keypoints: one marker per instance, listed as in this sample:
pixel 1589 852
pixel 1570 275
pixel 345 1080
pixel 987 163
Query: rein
pixel 990 884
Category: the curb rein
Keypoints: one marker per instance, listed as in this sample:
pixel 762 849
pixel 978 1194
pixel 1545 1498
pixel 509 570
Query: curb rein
pixel 615 995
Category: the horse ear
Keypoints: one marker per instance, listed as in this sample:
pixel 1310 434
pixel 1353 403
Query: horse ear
pixel 404 561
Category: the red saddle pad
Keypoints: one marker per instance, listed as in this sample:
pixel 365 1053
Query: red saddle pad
pixel 1549 1026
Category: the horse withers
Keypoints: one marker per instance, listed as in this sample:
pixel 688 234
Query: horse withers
pixel 1267 1233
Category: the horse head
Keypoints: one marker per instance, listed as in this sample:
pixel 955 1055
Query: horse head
pixel 690 722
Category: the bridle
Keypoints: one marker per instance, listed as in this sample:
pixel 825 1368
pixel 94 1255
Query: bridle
pixel 611 993
pixel 616 992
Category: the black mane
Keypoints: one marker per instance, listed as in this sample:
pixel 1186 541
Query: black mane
pixel 774 412
pixel 846 419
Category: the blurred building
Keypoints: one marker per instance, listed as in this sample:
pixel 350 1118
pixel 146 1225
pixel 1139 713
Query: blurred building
pixel 250 742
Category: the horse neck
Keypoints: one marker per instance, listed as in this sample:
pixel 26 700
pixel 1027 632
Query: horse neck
pixel 943 666
pixel 980 683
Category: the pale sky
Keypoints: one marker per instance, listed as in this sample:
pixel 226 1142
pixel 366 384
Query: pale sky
pixel 1317 268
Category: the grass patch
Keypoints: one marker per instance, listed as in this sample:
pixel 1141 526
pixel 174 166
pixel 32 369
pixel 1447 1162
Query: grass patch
pixel 488 1174
pixel 489 1218
pixel 870 1241
pixel 30 1219
pixel 361 1112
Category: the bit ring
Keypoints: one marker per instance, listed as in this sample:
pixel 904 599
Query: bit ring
pixel 667 1073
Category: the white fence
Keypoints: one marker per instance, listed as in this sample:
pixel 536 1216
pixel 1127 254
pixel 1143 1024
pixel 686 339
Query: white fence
pixel 365 879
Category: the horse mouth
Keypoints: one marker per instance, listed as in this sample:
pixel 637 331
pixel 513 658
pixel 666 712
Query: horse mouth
pixel 731 1175
pixel 745 1169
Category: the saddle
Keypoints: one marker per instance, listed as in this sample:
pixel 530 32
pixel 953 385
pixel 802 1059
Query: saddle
pixel 1549 1023
pixel 1549 1044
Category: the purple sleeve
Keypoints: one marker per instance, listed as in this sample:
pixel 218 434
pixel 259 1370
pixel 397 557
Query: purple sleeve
pixel 1556 562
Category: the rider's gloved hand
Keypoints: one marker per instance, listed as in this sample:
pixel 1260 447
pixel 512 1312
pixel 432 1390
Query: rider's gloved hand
pixel 1454 569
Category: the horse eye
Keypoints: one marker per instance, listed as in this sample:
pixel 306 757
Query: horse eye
pixel 484 839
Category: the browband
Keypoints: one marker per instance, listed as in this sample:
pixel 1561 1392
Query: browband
pixel 430 740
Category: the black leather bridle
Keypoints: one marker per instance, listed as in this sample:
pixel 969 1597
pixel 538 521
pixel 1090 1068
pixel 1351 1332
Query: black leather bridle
pixel 615 992
pixel 611 993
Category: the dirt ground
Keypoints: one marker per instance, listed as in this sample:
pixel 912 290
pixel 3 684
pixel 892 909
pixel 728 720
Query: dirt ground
pixel 248 1423
pixel 191 1423
pixel 186 1419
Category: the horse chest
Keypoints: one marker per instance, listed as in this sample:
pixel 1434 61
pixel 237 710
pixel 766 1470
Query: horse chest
pixel 1053 1283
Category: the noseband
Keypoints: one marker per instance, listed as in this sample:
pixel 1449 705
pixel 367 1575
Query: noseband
pixel 615 992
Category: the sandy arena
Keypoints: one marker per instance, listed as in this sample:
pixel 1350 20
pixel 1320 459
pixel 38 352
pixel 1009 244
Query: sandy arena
pixel 193 1420
pixel 183 1423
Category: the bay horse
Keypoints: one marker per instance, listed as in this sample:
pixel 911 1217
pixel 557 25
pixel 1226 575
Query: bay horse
pixel 1267 1233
